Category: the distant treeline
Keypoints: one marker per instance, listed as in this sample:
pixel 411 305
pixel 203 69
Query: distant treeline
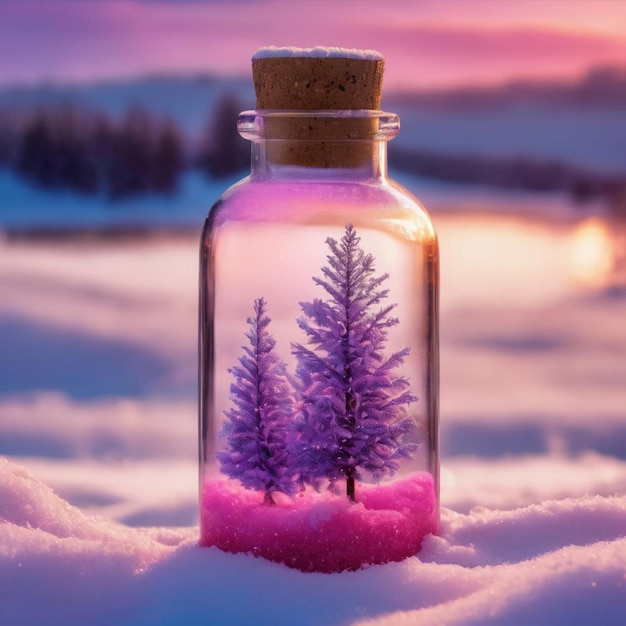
pixel 514 173
pixel 66 146
pixel 603 87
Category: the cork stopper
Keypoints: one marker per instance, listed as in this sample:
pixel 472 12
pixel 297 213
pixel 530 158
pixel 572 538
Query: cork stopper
pixel 317 78
pixel 314 79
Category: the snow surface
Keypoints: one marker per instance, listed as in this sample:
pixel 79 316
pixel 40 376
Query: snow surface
pixel 552 563
pixel 269 52
pixel 98 431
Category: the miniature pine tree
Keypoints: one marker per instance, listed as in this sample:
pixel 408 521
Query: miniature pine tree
pixel 353 414
pixel 256 427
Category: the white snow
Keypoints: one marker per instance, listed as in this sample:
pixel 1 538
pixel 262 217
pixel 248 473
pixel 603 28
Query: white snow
pixel 98 473
pixel 25 206
pixel 269 52
pixel 552 563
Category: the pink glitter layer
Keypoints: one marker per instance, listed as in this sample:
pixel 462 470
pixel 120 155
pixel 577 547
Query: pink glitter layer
pixel 322 532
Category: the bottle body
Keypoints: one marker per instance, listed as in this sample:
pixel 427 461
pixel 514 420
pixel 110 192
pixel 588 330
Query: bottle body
pixel 318 368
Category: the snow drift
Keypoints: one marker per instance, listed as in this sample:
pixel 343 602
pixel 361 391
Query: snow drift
pixel 557 562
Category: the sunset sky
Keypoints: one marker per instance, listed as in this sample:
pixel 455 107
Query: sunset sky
pixel 427 43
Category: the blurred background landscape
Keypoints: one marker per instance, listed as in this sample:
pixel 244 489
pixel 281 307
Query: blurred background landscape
pixel 117 133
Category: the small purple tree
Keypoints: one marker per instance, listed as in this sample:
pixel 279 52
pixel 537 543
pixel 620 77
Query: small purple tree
pixel 353 413
pixel 257 426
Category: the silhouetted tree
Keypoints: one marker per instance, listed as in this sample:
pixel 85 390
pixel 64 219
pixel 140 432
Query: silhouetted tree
pixel 55 150
pixel 36 157
pixel 130 148
pixel 223 151
pixel 144 155
pixel 9 133
pixel 167 158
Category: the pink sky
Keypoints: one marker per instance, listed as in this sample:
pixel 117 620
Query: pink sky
pixel 426 43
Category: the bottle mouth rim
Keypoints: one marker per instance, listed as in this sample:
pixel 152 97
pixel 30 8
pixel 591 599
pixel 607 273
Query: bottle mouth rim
pixel 380 125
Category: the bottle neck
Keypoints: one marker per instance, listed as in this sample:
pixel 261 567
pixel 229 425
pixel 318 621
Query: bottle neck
pixel 328 144
pixel 357 159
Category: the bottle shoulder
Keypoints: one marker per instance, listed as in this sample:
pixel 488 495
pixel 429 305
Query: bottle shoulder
pixel 379 203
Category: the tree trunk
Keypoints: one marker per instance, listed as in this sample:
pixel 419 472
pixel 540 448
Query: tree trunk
pixel 351 413
pixel 350 485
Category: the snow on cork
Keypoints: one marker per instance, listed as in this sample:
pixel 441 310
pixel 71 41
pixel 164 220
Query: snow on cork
pixel 317 52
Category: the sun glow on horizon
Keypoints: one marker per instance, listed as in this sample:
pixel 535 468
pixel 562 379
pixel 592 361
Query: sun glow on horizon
pixel 592 253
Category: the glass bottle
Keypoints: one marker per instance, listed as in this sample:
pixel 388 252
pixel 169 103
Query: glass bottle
pixel 318 350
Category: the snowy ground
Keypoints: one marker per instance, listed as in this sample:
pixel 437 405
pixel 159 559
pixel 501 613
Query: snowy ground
pixel 97 403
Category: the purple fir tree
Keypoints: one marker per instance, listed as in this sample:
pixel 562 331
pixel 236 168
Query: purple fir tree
pixel 353 413
pixel 256 429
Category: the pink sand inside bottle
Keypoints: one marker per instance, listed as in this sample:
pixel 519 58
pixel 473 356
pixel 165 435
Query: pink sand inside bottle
pixel 322 532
